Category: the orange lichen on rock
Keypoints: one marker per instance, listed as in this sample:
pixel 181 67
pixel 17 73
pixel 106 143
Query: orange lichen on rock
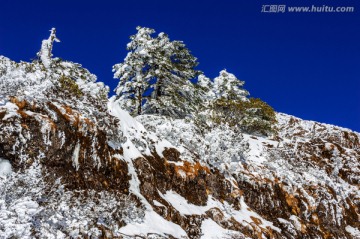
pixel 190 170
pixel 76 118
pixel 256 220
pixel 293 203
pixel 71 115
pixel 38 117
pixel 259 229
pixel 22 114
pixel 19 103
pixel 25 126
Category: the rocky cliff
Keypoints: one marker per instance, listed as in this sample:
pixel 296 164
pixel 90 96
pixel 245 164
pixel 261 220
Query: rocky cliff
pixel 73 164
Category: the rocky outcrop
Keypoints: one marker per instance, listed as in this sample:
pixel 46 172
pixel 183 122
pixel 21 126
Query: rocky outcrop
pixel 304 180
pixel 64 141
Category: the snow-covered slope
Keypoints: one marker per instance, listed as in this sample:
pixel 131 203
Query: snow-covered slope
pixel 305 180
pixel 73 164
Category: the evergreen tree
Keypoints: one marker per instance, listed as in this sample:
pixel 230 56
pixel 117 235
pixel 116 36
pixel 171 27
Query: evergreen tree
pixel 230 105
pixel 228 87
pixel 160 65
pixel 135 72
pixel 174 94
pixel 45 52
pixel 207 87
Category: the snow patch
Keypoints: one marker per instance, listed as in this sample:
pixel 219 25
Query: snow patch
pixel 5 168
pixel 181 204
pixel 211 230
pixel 161 146
pixel 154 224
pixel 75 156
pixel 245 214
pixel 296 222
pixel 158 204
pixel 11 110
pixel 355 232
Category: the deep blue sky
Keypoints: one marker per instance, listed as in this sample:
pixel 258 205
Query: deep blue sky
pixel 304 64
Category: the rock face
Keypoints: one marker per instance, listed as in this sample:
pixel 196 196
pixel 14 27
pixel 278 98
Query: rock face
pixel 83 168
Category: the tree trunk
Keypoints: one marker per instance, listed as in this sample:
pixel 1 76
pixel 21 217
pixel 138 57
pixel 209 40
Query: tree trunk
pixel 139 99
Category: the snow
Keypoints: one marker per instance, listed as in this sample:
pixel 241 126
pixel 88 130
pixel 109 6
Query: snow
pixel 161 146
pixel 254 158
pixel 227 86
pixel 18 217
pixel 355 232
pixel 181 204
pixel 296 222
pixel 2 100
pixel 129 126
pixel 17 204
pixel 154 223
pixel 126 121
pixel 11 110
pixel 75 156
pixel 45 52
pixel 5 168
pixel 158 204
pixel 46 48
pixel 284 159
pixel 135 133
pixel 245 214
pixel 256 153
pixel 211 230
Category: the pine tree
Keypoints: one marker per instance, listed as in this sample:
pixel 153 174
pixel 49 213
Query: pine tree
pixel 135 72
pixel 45 52
pixel 160 65
pixel 228 87
pixel 174 94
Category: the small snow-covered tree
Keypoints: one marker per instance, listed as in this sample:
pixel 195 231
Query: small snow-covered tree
pixel 232 107
pixel 227 86
pixel 206 86
pixel 219 98
pixel 45 52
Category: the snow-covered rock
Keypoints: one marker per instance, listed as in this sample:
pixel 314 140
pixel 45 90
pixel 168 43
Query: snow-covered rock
pixel 73 164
